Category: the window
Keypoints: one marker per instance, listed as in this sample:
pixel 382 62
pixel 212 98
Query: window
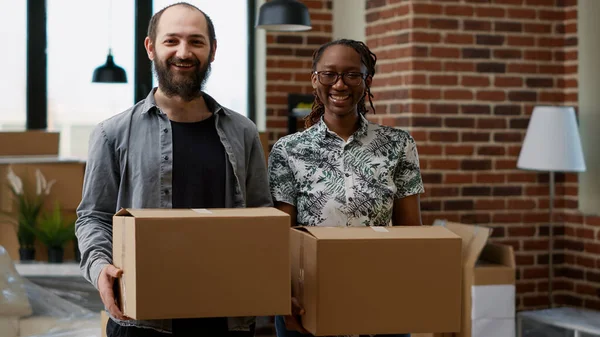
pixel 228 81
pixel 586 86
pixel 13 82
pixel 79 34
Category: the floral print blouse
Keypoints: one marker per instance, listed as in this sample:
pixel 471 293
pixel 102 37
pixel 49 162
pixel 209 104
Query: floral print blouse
pixel 333 182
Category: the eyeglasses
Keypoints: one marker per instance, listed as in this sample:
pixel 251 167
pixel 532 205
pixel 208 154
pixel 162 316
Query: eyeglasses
pixel 331 78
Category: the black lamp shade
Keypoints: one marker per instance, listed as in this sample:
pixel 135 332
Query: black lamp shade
pixel 109 72
pixel 283 16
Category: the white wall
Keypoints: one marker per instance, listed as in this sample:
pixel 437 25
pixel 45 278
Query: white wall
pixel 260 79
pixel 589 103
pixel 349 19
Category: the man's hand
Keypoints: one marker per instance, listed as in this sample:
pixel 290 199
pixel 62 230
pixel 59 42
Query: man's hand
pixel 106 280
pixel 293 322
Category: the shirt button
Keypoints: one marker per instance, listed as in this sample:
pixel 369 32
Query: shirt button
pixel 165 130
pixel 166 157
pixel 167 192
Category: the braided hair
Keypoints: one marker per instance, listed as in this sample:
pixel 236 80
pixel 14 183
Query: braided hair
pixel 367 58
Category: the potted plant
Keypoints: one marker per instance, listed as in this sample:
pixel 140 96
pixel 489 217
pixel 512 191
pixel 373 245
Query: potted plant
pixel 55 232
pixel 28 208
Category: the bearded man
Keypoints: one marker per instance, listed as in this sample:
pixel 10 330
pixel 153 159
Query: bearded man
pixel 177 148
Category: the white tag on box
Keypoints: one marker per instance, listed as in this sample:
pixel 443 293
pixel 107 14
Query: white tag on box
pixel 493 301
pixel 201 210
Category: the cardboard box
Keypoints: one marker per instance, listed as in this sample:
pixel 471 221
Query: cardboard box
pixel 67 189
pixel 488 283
pixel 377 280
pixel 202 263
pixel 29 143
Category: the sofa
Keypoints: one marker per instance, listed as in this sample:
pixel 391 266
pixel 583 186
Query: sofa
pixel 28 310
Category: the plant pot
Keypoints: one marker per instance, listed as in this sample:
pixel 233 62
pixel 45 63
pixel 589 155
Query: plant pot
pixel 27 254
pixel 55 255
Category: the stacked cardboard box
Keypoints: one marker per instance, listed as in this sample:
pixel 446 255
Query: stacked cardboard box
pixel 29 143
pixel 488 284
pixel 24 153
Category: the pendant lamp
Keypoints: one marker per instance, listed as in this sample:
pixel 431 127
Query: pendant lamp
pixel 283 16
pixel 109 72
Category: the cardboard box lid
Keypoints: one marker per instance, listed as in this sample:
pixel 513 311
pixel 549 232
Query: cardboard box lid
pixel 493 255
pixel 375 232
pixel 147 213
pixel 496 265
pixel 474 239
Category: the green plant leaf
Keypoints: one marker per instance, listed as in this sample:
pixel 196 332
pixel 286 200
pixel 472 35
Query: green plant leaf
pixel 53 230
pixel 28 209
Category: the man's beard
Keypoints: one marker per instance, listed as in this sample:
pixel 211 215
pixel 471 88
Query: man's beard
pixel 187 85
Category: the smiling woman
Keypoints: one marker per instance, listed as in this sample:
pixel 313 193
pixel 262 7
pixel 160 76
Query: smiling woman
pixel 343 170
pixel 227 80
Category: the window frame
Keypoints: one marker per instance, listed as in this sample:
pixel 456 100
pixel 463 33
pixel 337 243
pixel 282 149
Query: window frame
pixel 37 61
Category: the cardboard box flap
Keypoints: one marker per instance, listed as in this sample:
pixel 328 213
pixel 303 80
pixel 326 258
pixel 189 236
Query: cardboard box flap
pixel 474 239
pixel 377 232
pixel 201 212
pixel 123 212
pixel 161 213
pixel 494 254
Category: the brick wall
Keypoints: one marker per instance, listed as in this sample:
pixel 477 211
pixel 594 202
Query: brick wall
pixel 463 77
pixel 289 60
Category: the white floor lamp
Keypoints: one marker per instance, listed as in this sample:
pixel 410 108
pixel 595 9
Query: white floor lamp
pixel 552 144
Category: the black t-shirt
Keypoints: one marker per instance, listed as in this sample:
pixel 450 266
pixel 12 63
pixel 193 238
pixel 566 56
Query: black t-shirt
pixel 199 164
